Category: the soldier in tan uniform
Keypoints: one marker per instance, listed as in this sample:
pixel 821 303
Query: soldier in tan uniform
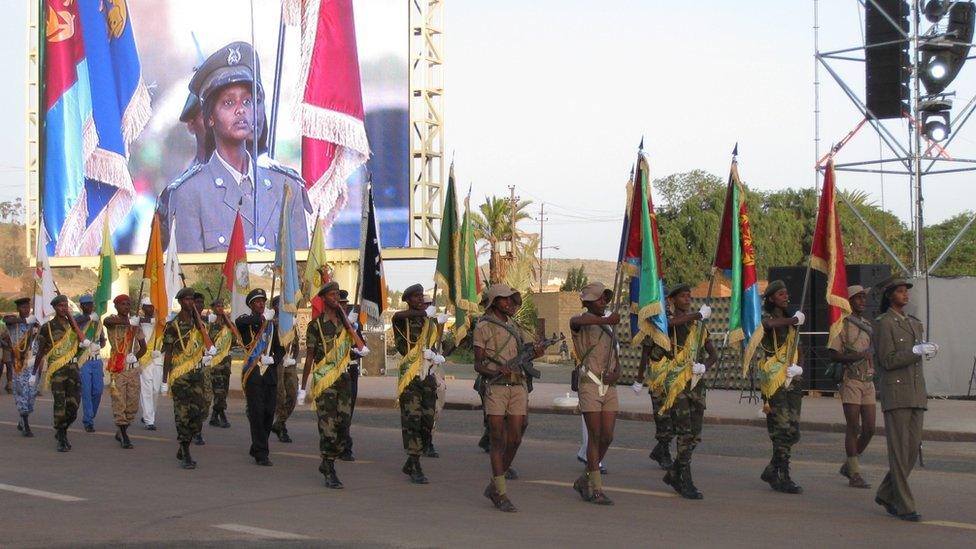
pixel 497 340
pixel 854 349
pixel 900 349
pixel 596 347
pixel 128 346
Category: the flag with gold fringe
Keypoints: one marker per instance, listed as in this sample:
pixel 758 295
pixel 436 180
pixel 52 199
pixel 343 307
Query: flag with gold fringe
pixel 827 255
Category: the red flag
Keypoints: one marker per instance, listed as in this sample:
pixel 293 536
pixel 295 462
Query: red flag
pixel 334 140
pixel 236 277
pixel 827 254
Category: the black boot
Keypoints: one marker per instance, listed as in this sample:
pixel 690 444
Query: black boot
pixel 126 443
pixel 786 483
pixel 62 440
pixel 283 434
pixel 25 426
pixel 184 456
pixel 327 468
pixel 770 474
pixel 688 489
pixel 662 454
pixel 224 424
pixel 215 418
pixel 416 473
pixel 430 451
pixel 673 478
pixel 64 436
pixel 198 439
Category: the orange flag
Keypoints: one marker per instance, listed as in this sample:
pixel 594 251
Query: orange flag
pixel 827 254
pixel 152 271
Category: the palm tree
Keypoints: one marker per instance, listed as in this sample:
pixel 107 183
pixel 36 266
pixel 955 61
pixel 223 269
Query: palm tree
pixel 492 223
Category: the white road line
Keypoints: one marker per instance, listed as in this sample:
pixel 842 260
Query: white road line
pixel 950 524
pixel 607 488
pixel 259 532
pixel 39 493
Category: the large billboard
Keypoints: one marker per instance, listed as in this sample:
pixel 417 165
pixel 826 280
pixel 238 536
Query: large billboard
pixel 173 37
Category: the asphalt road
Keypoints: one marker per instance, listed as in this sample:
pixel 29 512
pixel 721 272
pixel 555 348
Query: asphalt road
pixel 99 494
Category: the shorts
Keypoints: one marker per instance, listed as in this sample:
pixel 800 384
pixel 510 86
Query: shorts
pixel 853 391
pixel 507 400
pixel 591 401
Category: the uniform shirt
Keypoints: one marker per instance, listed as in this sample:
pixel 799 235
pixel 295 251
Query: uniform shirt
pixel 596 345
pixel 902 379
pixel 774 338
pixel 854 339
pixel 321 337
pixel 88 328
pixel 116 335
pixel 500 346
pixel 249 326
pixel 177 334
pixel 51 332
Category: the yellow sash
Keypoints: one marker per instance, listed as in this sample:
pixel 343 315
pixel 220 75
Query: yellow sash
pixel 151 345
pixel 679 370
pixel 223 341
pixel 333 364
pixel 414 359
pixel 772 370
pixel 21 350
pixel 190 355
pixel 62 352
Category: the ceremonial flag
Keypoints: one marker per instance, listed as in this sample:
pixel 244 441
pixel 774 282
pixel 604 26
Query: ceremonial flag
pixel 316 269
pixel 287 269
pixel 735 259
pixel 237 280
pixel 640 257
pixel 372 283
pixel 44 290
pixel 334 140
pixel 173 272
pixel 108 271
pixel 452 272
pixel 154 272
pixel 68 124
pixel 827 255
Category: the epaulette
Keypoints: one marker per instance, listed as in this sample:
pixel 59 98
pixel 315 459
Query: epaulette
pixel 190 172
pixel 282 169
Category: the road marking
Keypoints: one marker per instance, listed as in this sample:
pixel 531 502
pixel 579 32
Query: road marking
pixel 607 488
pixel 100 433
pixel 259 532
pixel 316 457
pixel 39 493
pixel 950 524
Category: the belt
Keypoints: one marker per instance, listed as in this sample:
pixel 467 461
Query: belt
pixel 507 384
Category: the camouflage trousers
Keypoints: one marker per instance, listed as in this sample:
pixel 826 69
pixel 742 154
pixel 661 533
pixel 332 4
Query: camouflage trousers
pixel 189 403
pixel 287 395
pixel 687 414
pixel 417 404
pixel 220 384
pixel 125 396
pixel 663 429
pixel 334 410
pixel 24 392
pixel 783 419
pixel 66 392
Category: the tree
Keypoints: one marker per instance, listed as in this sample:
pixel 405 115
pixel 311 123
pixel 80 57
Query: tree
pixel 575 279
pixel 492 223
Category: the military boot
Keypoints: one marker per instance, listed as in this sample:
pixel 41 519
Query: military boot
pixel 283 434
pixel 215 418
pixel 673 478
pixel 24 426
pixel 771 475
pixel 417 475
pixel 688 489
pixel 662 454
pixel 62 440
pixel 786 483
pixel 327 468
pixel 224 424
pixel 186 460
pixel 64 436
pixel 126 443
pixel 198 439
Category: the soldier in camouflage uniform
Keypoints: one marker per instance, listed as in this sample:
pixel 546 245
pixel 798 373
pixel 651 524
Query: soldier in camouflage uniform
pixel 782 403
pixel 328 347
pixel 58 346
pixel 224 334
pixel 184 360
pixel 416 334
pixel 663 429
pixel 20 334
pixel 286 361
pixel 199 300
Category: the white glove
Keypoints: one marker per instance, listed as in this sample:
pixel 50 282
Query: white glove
pixel 86 344
pixel 428 354
pixel 207 359
pixel 212 351
pixel 637 386
pixel 157 354
pixel 269 314
pixel 289 361
pixel 926 349
pixel 267 360
pixel 442 318
pixel 353 317
pixel 131 359
pixel 705 311
pixel 794 371
pixel 158 362
pixel 212 317
pixel 364 351
pixel 431 311
pixel 134 321
pixel 698 369
pixel 32 380
pixel 31 319
pixel 800 318
pixel 301 397
pixel 170 316
pixel 163 389
pixel 93 317
pixel 439 359
pixel 94 349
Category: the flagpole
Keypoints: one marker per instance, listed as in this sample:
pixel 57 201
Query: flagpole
pixel 254 127
pixel 628 206
pixel 363 229
pixel 276 86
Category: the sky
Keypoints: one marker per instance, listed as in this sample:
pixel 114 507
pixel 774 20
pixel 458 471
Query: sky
pixel 554 96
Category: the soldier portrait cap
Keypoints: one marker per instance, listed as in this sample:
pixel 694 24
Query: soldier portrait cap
pixel 332 286
pixel 231 64
pixel 773 287
pixel 411 290
pixel 856 289
pixel 21 301
pixel 256 293
pixel 343 296
pixel 498 290
pixel 592 291
pixel 190 108
pixel 121 298
pixel 59 299
pixel 893 283
pixel 86 299
pixel 678 289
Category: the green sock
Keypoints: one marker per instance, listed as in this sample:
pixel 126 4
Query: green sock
pixel 853 465
pixel 499 484
pixel 596 480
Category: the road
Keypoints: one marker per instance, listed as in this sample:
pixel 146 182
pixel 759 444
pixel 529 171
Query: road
pixel 99 494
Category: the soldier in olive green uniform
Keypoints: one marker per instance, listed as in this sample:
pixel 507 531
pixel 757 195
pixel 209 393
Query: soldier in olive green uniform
pixel 58 346
pixel 663 429
pixel 286 361
pixel 328 351
pixel 900 348
pixel 184 357
pixel 781 384
pixel 416 331
pixel 224 335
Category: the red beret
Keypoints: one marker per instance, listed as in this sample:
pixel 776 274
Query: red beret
pixel 119 299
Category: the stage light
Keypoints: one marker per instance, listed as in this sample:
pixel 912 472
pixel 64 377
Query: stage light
pixel 937 69
pixel 935 118
pixel 936 130
pixel 935 10
pixel 943 55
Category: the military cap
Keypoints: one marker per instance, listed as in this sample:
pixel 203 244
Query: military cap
pixel 217 302
pixel 59 299
pixel 855 289
pixel 231 64
pixel 592 291
pixel 86 299
pixel 332 286
pixel 190 108
pixel 121 298
pixel 773 287
pixel 198 295
pixel 678 289
pixel 145 301
pixel 256 293
pixel 22 300
pixel 343 296
pixel 414 289
pixel 499 290
pixel 893 283
pixel 185 293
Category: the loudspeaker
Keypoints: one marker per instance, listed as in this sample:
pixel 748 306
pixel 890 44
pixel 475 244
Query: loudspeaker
pixel 886 68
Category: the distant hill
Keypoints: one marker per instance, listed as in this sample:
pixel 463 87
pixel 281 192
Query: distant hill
pixel 597 270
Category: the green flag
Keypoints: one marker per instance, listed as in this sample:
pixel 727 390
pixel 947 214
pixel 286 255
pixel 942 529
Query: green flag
pixel 315 264
pixel 108 271
pixel 454 273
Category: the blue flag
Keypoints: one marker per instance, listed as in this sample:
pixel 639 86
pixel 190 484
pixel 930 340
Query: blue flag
pixel 287 269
